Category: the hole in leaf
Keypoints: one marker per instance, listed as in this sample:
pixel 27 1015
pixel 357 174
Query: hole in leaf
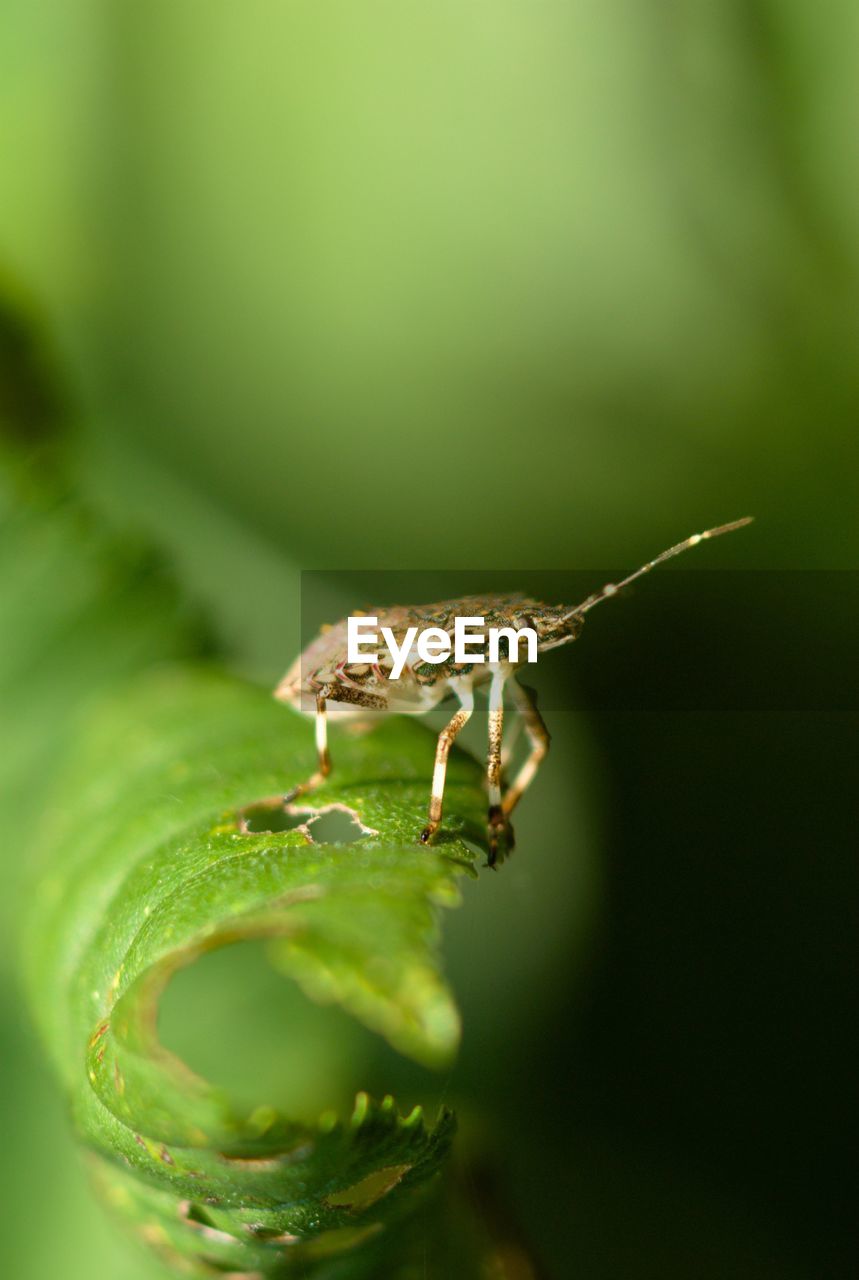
pixel 336 825
pixel 271 817
pixel 369 1189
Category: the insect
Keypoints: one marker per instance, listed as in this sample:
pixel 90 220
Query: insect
pixel 323 681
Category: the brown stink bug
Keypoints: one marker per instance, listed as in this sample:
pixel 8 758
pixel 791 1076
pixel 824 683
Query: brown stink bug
pixel 323 677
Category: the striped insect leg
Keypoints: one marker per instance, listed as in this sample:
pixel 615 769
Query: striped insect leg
pixel 445 741
pixel 498 828
pixel 538 736
pixel 323 756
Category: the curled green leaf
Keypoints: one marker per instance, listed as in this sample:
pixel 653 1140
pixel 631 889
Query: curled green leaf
pixel 154 851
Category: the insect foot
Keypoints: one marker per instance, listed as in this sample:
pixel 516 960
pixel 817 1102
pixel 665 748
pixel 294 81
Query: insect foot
pixel 316 780
pixel 289 796
pixel 499 835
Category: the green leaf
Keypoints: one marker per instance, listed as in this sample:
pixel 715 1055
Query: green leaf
pixel 148 864
pixel 139 794
pixel 80 611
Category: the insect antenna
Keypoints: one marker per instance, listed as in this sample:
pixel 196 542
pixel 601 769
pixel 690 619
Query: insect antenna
pixel 612 588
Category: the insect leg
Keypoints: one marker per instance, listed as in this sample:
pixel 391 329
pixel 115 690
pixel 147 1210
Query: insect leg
pixel 509 746
pixel 442 751
pixel 323 755
pixel 497 819
pixel 538 736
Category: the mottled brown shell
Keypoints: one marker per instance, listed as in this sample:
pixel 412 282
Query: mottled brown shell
pixel 324 663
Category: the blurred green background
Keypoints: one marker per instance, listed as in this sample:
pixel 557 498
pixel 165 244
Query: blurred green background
pixel 538 285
